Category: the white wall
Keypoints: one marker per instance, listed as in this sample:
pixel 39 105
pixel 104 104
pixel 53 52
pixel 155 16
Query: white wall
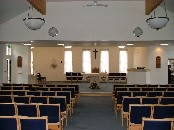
pixel 1 64
pixel 20 74
pixel 140 57
pixel 43 57
pixel 77 23
pixel 159 75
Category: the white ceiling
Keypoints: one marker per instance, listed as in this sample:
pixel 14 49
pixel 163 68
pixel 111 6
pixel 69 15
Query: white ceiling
pixel 12 8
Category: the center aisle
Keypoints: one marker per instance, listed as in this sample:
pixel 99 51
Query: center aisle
pixel 94 113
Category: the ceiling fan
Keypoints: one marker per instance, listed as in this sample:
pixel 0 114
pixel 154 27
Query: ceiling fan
pixel 96 4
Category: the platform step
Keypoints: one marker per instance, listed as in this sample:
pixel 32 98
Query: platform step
pixel 95 94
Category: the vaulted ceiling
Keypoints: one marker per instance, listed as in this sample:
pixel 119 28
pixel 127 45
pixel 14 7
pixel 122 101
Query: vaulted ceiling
pixel 12 8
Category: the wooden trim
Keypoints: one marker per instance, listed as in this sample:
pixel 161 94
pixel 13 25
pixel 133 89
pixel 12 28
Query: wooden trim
pixel 39 5
pixel 150 5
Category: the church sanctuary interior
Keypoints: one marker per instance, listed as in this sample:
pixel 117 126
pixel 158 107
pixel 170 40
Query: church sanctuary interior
pixel 87 65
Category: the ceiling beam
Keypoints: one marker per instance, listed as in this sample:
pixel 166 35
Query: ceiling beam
pixel 151 5
pixel 39 5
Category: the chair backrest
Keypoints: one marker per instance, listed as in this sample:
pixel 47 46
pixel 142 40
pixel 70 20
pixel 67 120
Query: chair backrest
pixel 156 124
pixel 19 92
pixel 136 113
pixel 21 99
pixel 163 111
pixel 6 88
pixel 55 89
pixel 6 92
pixel 7 109
pixel 155 94
pixel 9 123
pixel 67 94
pixel 167 100
pixel 34 93
pixel 119 89
pixel 130 100
pixel 160 89
pixel 147 89
pixel 169 94
pixel 58 100
pixel 76 86
pixel 39 99
pixel 150 100
pixel 50 85
pixel 48 93
pixel 136 94
pixel 120 95
pixel 6 99
pixel 33 123
pixel 72 89
pixel 50 110
pixel 134 89
pixel 29 110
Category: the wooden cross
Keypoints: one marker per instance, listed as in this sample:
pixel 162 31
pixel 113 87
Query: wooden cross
pixel 95 51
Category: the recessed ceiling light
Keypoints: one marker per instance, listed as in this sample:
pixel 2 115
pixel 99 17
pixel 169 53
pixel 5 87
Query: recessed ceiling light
pixel 164 44
pixel 60 44
pixel 31 41
pixel 121 46
pixel 68 46
pixel 130 44
pixel 27 44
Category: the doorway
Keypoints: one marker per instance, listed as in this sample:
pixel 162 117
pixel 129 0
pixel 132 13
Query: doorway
pixel 170 71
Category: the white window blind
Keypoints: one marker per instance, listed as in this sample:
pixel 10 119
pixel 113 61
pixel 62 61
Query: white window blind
pixel 68 61
pixel 86 61
pixel 104 61
pixel 123 61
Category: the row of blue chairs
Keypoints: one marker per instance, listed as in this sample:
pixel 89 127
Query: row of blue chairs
pixel 119 96
pixel 127 101
pixel 64 99
pixel 124 104
pixel 138 112
pixel 44 92
pixel 23 123
pixel 142 85
pixel 52 111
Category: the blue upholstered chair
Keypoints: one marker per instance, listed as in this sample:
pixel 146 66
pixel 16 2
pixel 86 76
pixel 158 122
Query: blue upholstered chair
pixel 150 100
pixel 139 94
pixel 7 109
pixel 52 111
pixel 34 123
pixel 9 123
pixel 137 112
pixel 63 107
pixel 157 124
pixel 6 99
pixel 163 111
pixel 169 94
pixel 125 108
pixel 39 99
pixel 48 93
pixel 155 94
pixel 167 100
pixel 34 93
pixel 29 110
pixel 21 99
pixel 19 92
pixel 68 99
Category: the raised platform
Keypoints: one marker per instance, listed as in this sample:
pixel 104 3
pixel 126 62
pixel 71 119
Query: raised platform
pixel 95 94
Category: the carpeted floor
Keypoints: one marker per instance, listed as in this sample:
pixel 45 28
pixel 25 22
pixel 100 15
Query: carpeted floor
pixel 94 113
